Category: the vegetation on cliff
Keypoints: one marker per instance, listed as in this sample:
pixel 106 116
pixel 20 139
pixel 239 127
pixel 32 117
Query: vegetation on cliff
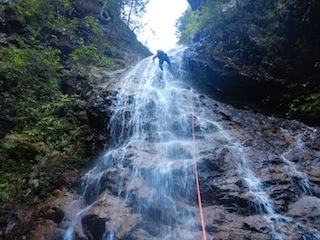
pixel 268 41
pixel 51 51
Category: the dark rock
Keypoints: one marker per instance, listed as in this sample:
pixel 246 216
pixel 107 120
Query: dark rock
pixel 94 227
pixel 47 230
pixel 68 178
pixel 316 143
pixel 98 110
pixel 58 215
pixel 11 22
pixel 226 84
pixel 98 113
pixel 270 54
pixel 5 127
pixel 84 8
pixel 76 85
pixel 159 210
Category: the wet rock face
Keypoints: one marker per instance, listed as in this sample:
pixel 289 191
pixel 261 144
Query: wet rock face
pixel 98 115
pixel 241 71
pixel 259 177
pixel 213 77
pixel 280 155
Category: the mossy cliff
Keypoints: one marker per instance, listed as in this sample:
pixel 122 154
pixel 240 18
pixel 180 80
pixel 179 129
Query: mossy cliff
pixel 259 54
pixel 53 55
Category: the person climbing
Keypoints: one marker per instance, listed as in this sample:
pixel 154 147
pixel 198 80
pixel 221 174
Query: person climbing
pixel 163 57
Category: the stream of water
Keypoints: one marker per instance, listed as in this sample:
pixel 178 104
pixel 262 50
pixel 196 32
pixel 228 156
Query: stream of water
pixel 151 162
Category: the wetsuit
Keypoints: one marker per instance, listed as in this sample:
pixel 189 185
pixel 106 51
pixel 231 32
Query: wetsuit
pixel 163 57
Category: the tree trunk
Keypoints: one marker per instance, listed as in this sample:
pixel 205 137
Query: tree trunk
pixel 104 15
pixel 130 12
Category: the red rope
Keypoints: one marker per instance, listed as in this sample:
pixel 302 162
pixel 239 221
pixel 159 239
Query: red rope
pixel 196 173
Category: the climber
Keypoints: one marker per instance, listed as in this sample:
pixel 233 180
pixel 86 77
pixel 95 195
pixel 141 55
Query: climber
pixel 163 57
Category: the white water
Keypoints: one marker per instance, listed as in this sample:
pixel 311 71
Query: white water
pixel 151 113
pixel 302 177
pixel 150 131
pixel 261 200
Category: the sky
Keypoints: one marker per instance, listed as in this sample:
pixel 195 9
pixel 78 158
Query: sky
pixel 160 19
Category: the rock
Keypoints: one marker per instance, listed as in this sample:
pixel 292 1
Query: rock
pixel 42 221
pixel 258 176
pixel 98 109
pixel 94 227
pixel 267 56
pixel 223 83
pixel 5 127
pixel 98 112
pixel 306 210
pixel 46 230
pixel 227 195
pixel 68 178
pixel 76 85
pixel 11 22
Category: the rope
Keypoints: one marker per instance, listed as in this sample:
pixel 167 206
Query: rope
pixel 196 173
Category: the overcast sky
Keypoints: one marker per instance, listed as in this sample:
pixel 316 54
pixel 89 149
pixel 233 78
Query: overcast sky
pixel 160 17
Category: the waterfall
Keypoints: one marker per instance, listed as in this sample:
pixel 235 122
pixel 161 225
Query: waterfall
pixel 152 120
pixel 143 186
pixel 302 177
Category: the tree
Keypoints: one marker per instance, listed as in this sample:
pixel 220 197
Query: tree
pixel 132 12
pixel 111 9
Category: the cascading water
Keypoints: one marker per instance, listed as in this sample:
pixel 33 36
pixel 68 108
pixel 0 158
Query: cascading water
pixel 151 113
pixel 301 176
pixel 143 187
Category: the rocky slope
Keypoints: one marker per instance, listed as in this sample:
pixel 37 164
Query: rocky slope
pixel 260 53
pixel 259 175
pixel 54 55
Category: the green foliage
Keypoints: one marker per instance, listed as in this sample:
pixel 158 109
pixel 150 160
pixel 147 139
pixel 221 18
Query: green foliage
pixel 228 24
pixel 132 12
pixel 28 75
pixel 45 120
pixel 190 29
pixel 305 107
pixel 92 24
pixel 191 22
pixel 306 104
pixel 212 17
pixel 88 55
pixel 50 129
pixel 33 12
pixel 38 14
pixel 22 62
pixel 58 130
pixel 17 156
pixel 260 39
